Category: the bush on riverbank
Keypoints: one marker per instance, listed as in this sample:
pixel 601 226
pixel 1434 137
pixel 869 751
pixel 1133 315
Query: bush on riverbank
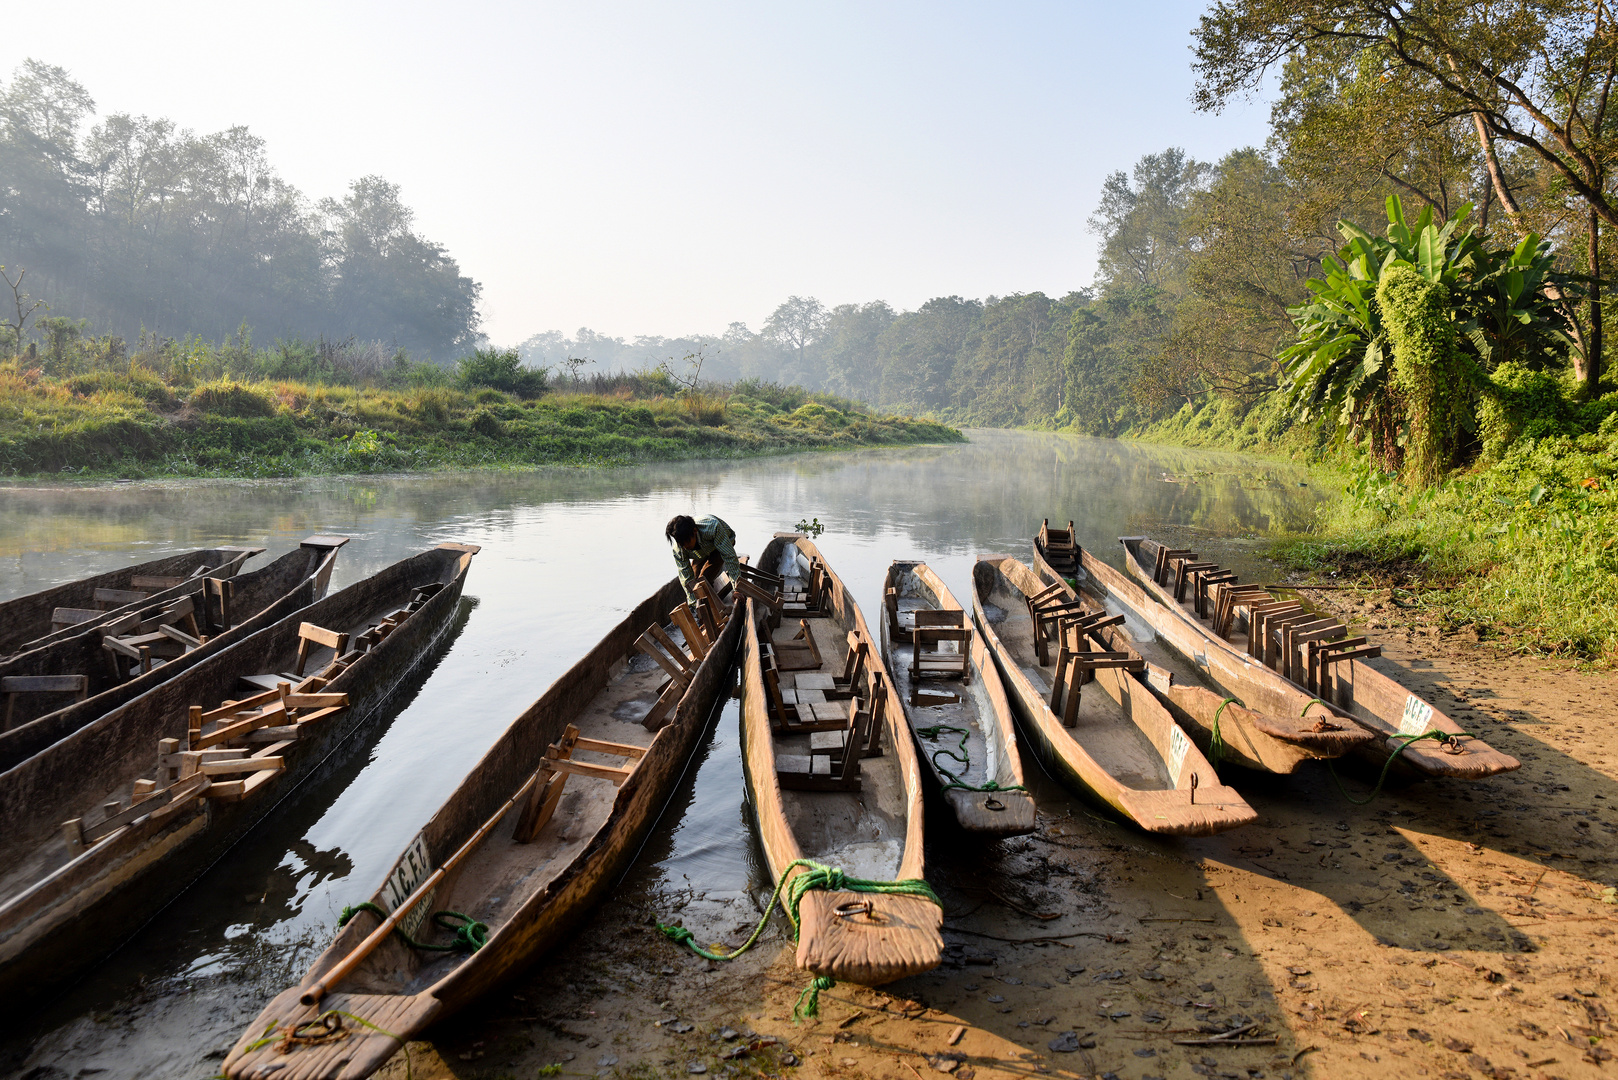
pixel 1522 544
pixel 135 423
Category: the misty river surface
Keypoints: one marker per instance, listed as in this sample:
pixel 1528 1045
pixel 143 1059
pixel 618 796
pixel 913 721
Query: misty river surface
pixel 565 555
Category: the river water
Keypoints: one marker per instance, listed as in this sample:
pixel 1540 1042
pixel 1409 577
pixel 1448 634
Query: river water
pixel 565 554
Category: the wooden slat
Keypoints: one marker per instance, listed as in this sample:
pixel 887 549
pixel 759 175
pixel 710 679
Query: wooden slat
pixel 647 644
pixel 149 581
pixel 237 706
pixel 602 747
pixel 44 684
pixel 695 638
pixel 180 636
pixel 232 766
pixel 119 597
pixel 614 773
pixel 72 616
pixel 109 825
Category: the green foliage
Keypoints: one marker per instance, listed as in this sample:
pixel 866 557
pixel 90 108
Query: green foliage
pixel 1522 402
pixel 117 423
pixel 1430 378
pixel 501 369
pixel 227 398
pixel 1526 550
pixel 1494 306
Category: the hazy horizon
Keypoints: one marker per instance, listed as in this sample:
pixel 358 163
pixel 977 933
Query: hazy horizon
pixel 641 171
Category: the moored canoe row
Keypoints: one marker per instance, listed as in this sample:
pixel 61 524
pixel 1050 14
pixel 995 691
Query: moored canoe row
pixel 1244 721
pixel 50 690
pixel 1243 633
pixel 1122 691
pixel 1088 716
pixel 27 622
pixel 107 824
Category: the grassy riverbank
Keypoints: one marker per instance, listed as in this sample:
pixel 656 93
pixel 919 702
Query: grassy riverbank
pixel 1522 545
pixel 135 423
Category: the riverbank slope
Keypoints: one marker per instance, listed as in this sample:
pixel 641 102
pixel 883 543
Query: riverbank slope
pixel 136 425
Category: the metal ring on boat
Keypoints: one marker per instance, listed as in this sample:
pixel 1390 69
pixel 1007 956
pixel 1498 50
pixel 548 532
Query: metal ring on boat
pixel 993 804
pixel 852 908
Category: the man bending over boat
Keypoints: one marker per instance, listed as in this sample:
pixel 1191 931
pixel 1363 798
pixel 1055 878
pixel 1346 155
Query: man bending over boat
pixel 702 547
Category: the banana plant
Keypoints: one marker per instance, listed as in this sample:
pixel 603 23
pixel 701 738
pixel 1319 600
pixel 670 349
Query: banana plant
pixel 1340 362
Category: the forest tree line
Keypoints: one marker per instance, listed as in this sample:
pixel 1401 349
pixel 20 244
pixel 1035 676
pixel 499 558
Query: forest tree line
pixel 123 223
pixel 1488 122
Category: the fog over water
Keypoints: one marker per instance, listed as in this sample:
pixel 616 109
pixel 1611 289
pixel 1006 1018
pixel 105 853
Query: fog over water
pixel 565 554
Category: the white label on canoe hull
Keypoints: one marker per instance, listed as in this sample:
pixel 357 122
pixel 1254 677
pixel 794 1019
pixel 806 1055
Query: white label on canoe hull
pixel 407 875
pixel 1179 746
pixel 1418 714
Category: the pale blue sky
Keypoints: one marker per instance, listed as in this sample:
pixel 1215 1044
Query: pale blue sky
pixel 664 169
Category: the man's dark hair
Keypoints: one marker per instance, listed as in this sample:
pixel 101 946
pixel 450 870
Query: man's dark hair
pixel 681 528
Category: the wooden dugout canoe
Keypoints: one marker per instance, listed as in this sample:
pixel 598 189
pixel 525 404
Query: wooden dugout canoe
pixel 26 621
pixel 254 600
pixel 981 710
pixel 1277 741
pixel 1124 748
pixel 1354 689
pixel 875 832
pixel 69 894
pixel 528 893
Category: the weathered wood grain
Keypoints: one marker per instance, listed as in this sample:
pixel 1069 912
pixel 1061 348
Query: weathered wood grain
pixel 901 935
pixel 1357 692
pixel 262 597
pixel 25 622
pixel 527 912
pixel 1121 750
pixel 48 931
pixel 1277 742
pixel 983 710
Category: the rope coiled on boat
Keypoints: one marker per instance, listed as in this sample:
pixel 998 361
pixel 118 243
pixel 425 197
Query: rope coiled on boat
pixel 815 876
pixel 939 730
pixel 1434 734
pixel 470 935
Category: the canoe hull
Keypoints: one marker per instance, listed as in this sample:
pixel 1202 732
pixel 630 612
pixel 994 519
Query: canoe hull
pixel 1175 673
pixel 901 935
pixel 543 920
pixel 25 622
pixel 1193 804
pixel 264 596
pixel 1358 692
pixel 104 894
pixel 1000 812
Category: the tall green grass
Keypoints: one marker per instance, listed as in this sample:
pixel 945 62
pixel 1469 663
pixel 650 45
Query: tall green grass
pixel 136 423
pixel 1525 549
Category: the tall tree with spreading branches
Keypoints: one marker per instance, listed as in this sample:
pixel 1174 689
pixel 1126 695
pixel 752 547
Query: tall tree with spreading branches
pixel 1535 74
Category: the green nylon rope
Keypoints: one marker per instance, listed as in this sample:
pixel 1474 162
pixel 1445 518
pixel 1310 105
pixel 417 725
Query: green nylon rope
pixel 1216 745
pixel 1434 734
pixel 816 876
pixel 470 935
pixel 936 732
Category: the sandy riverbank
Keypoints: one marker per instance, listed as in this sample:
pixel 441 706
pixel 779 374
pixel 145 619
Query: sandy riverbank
pixel 1444 930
